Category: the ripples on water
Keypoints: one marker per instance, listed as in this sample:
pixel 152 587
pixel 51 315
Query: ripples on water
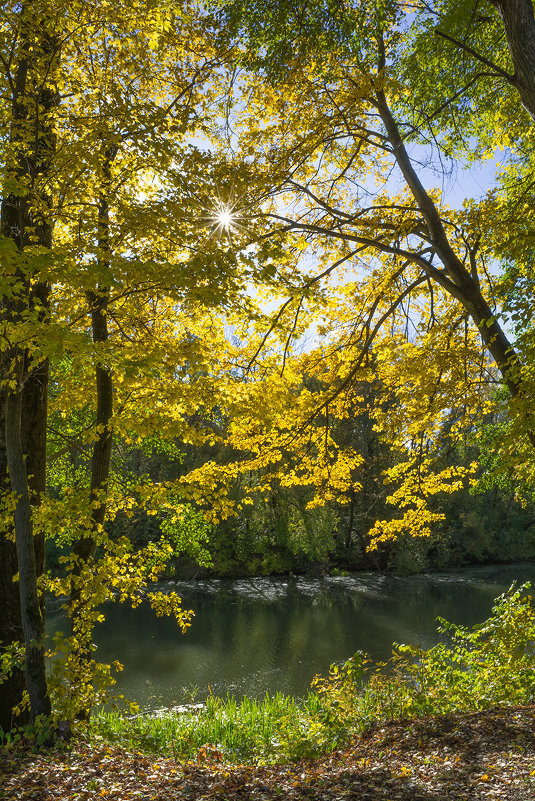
pixel 260 635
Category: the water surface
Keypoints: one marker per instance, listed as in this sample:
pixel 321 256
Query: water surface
pixel 254 636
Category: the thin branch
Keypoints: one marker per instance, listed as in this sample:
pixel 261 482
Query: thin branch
pixel 365 347
pixel 494 67
pixel 290 335
pixel 442 279
pixel 286 303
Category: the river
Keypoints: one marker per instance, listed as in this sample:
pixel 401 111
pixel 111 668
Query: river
pixel 253 636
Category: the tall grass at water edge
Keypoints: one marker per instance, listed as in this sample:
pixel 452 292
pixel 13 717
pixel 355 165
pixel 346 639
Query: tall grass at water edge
pixel 239 730
pixel 471 669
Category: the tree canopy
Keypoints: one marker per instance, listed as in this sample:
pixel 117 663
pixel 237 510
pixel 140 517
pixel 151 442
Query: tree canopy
pixel 221 226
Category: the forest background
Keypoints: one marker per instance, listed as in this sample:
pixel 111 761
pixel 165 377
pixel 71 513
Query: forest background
pixel 190 192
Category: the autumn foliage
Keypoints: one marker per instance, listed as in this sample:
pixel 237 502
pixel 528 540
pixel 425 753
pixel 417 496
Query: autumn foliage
pixel 221 225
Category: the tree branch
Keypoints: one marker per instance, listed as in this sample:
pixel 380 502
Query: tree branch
pixel 494 67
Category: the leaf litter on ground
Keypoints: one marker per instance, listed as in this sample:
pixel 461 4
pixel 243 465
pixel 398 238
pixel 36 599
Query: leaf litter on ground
pixel 463 756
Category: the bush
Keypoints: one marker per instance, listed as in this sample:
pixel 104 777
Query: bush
pixel 471 670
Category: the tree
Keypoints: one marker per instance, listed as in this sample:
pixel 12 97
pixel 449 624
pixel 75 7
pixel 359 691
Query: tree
pixel 133 205
pixel 350 116
pixel 26 229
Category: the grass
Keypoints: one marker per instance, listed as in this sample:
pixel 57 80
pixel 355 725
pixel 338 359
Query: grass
pixel 273 728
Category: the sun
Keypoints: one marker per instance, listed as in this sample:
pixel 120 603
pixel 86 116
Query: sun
pixel 224 218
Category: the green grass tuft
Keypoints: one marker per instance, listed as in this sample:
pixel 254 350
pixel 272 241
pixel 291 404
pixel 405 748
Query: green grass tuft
pixel 252 730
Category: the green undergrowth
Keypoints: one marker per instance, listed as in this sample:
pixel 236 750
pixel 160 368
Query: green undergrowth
pixel 468 670
pixel 273 728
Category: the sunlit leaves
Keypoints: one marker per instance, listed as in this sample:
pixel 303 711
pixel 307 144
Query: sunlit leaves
pixel 389 272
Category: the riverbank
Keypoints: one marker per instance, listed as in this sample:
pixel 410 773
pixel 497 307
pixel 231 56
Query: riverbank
pixel 482 755
pixel 456 721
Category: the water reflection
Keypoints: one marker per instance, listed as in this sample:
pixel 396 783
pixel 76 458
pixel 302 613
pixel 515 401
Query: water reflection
pixel 269 635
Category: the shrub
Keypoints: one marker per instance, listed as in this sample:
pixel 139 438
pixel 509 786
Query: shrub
pixel 471 669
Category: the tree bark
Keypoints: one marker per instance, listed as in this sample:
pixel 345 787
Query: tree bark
pixel 32 618
pixel 12 688
pixel 23 409
pixel 98 304
pixel 519 25
pixel 455 279
pixel 85 547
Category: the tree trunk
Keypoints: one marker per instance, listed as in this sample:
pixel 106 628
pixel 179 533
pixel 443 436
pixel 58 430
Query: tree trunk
pixel 455 278
pixel 519 24
pixel 12 688
pixel 32 618
pixel 100 459
pixel 23 409
pixel 85 547
pixel 34 421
